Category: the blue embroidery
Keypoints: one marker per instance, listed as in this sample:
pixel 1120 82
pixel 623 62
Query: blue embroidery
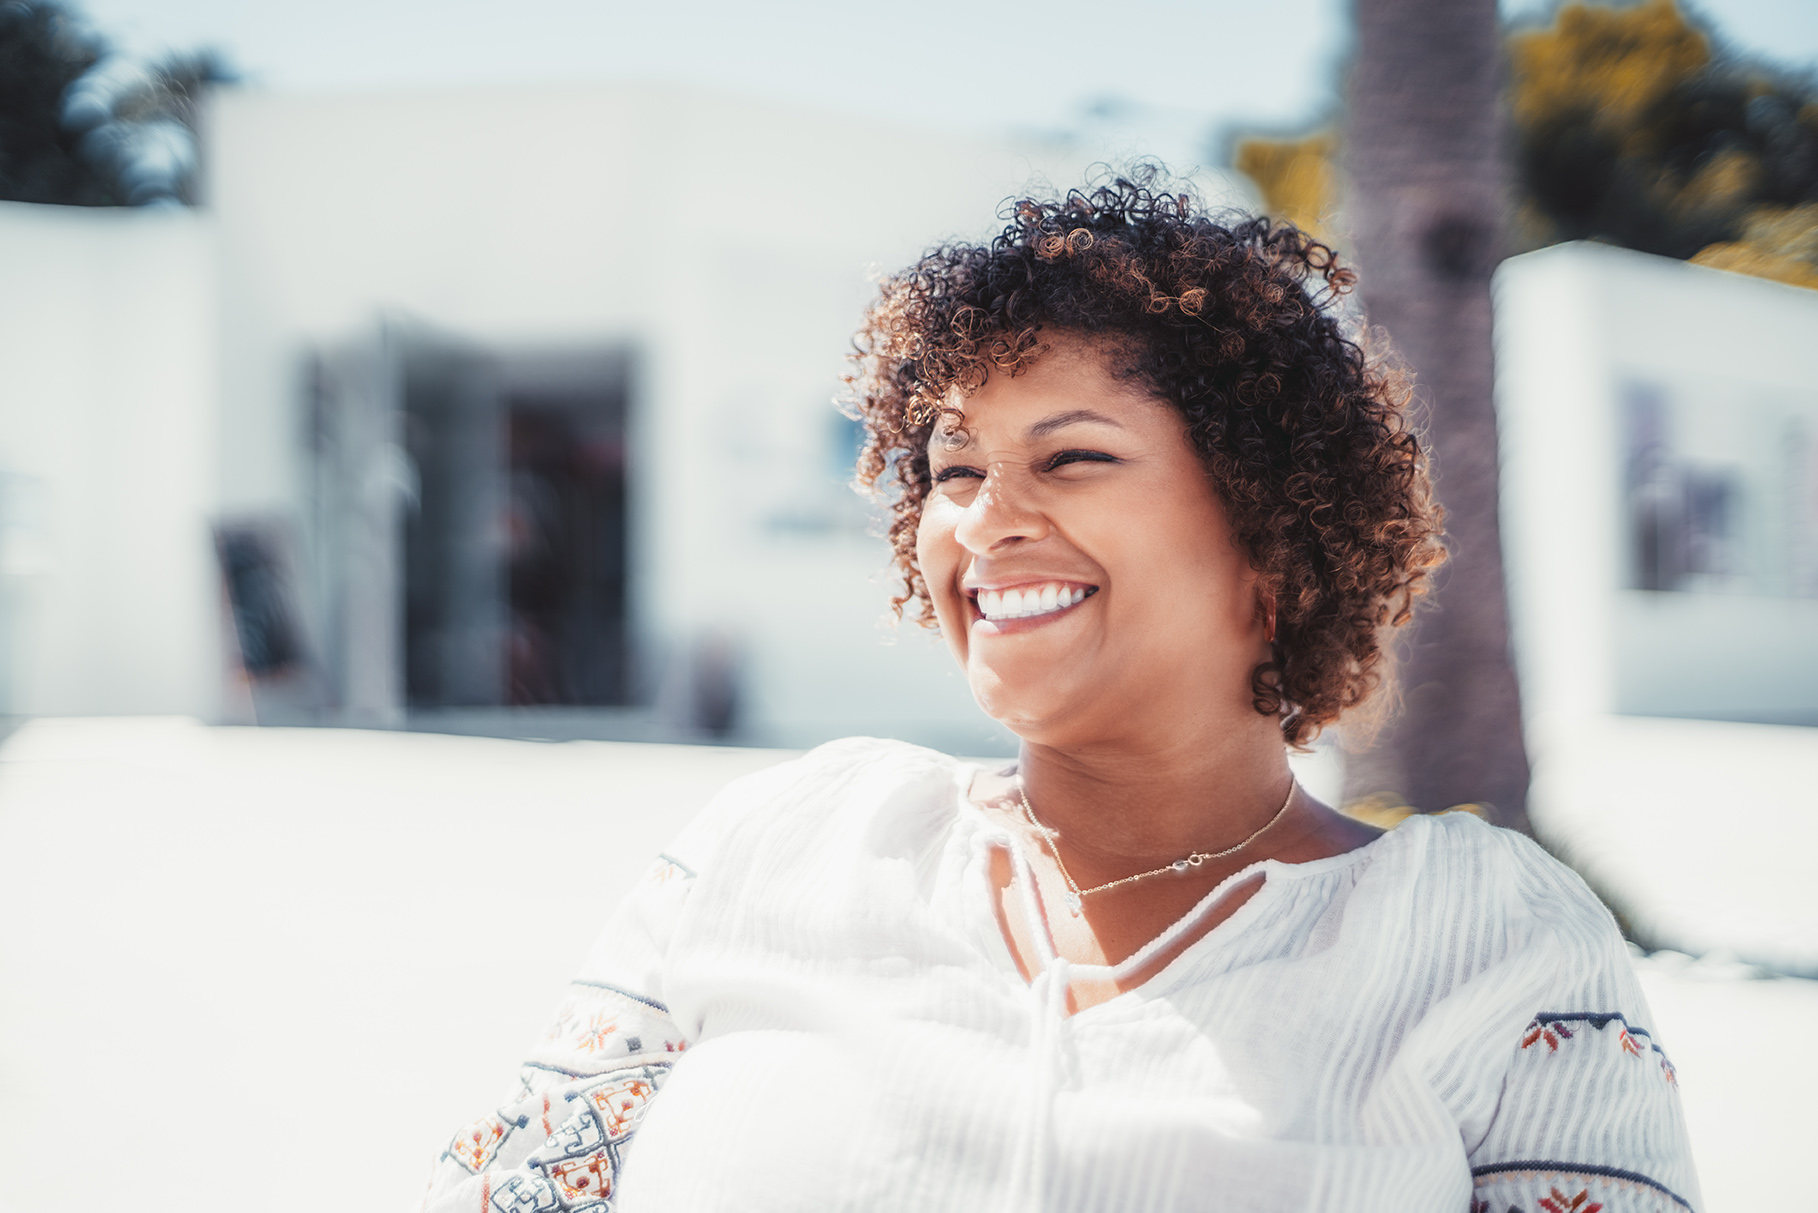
pixel 601 985
pixel 526 1194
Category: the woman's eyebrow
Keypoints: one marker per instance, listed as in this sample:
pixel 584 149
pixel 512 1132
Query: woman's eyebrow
pixel 1060 421
pixel 961 439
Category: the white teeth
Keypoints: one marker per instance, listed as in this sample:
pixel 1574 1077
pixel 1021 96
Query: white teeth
pixel 1029 601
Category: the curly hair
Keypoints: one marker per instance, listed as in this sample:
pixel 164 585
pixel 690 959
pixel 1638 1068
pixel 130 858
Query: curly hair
pixel 1233 322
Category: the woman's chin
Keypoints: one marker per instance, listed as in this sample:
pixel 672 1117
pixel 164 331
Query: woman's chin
pixel 1032 707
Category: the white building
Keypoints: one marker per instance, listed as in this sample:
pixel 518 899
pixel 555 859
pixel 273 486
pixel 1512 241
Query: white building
pixel 1659 427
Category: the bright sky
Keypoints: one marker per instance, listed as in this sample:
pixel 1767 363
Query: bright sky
pixel 1180 69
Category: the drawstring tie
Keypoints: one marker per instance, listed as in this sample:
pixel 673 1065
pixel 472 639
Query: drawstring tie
pixel 1047 995
pixel 1047 1021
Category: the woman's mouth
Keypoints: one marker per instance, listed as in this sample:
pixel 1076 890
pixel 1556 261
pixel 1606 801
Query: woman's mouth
pixel 1030 601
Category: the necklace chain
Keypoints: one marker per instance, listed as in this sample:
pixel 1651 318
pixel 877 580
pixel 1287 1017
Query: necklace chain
pixel 1076 896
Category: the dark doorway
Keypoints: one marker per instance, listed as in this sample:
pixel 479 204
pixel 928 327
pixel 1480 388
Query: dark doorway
pixel 566 545
pixel 515 546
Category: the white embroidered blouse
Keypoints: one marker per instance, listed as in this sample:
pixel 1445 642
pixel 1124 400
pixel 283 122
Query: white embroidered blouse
pixel 809 1005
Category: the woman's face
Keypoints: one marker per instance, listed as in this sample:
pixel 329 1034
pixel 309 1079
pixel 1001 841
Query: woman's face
pixel 1080 563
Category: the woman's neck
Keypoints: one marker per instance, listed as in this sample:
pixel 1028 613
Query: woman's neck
pixel 1118 811
pixel 1120 808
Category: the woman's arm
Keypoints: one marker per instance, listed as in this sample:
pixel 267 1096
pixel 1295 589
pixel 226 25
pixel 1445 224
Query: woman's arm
pixel 1588 1119
pixel 559 1140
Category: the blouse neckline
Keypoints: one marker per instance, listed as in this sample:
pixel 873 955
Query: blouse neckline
pixel 1277 877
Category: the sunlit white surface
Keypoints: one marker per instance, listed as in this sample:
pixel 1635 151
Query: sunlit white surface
pixel 292 961
pixel 276 968
pixel 1747 1094
pixel 1704 834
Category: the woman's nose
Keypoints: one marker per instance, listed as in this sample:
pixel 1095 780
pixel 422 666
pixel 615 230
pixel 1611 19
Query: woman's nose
pixel 1001 513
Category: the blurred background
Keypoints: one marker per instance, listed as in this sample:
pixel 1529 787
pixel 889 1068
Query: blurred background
pixel 390 391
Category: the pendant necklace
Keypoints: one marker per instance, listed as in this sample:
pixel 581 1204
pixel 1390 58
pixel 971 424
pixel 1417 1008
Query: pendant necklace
pixel 1075 896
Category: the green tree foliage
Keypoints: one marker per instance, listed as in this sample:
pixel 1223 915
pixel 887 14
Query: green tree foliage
pixel 43 51
pixel 1629 126
pixel 1629 129
pixel 82 127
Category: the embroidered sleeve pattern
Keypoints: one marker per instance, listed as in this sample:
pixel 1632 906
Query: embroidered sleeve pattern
pixel 554 1152
pixel 1589 1123
pixel 1538 1187
pixel 558 1144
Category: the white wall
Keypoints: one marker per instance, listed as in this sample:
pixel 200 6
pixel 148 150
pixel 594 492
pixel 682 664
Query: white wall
pixel 1574 325
pixel 107 423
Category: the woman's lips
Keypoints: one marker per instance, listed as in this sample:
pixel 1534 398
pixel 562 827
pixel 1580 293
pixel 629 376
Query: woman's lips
pixel 1030 604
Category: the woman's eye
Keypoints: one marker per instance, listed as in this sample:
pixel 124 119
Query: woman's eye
pixel 957 473
pixel 1063 458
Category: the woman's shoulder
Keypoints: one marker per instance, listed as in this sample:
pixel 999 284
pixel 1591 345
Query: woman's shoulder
pixel 1539 1033
pixel 1498 930
pixel 849 753
pixel 1463 869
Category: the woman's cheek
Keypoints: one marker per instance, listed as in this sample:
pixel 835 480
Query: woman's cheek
pixel 937 555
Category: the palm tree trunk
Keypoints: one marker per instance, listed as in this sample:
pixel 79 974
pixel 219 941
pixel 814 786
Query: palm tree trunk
pixel 1423 151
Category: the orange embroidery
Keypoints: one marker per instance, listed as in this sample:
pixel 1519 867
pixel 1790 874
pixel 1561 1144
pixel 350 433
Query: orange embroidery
pixel 621 1104
pixel 1559 1202
pixel 589 1177
pixel 1551 1032
pixel 475 1146
pixel 599 1026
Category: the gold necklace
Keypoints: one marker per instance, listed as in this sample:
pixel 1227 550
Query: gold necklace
pixel 1076 896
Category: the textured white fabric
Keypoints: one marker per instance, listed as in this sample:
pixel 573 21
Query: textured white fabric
pixel 809 1005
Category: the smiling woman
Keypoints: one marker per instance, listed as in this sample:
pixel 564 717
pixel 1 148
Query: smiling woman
pixel 1031 495
pixel 1164 511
